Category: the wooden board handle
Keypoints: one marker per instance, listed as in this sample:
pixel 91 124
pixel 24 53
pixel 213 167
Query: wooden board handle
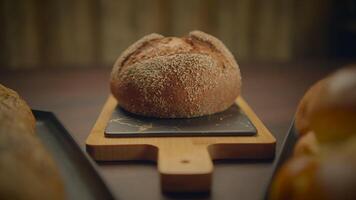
pixel 185 167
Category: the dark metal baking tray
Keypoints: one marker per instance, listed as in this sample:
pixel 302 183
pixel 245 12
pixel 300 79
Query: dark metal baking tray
pixel 287 146
pixel 286 152
pixel 231 122
pixel 80 177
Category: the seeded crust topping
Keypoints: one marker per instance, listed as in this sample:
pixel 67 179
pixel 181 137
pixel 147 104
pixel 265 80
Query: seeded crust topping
pixel 174 77
pixel 129 51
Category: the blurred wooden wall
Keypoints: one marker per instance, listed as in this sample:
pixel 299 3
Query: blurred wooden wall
pixel 87 33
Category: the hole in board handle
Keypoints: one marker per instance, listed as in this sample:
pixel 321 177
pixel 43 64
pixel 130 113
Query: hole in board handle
pixel 185 161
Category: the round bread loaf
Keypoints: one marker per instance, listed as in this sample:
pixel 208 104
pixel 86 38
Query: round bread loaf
pixel 332 112
pixel 170 77
pixel 329 107
pixel 27 170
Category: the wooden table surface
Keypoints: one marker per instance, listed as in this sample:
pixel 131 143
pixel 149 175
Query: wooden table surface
pixel 77 95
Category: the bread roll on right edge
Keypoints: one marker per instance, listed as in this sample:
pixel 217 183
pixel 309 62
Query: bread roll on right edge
pixel 170 77
pixel 329 107
pixel 333 111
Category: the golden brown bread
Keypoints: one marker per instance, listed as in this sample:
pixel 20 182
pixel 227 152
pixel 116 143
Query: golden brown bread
pixel 170 77
pixel 307 144
pixel 11 102
pixel 302 121
pixel 324 164
pixel 330 176
pixel 295 180
pixel 27 171
pixel 333 112
pixel 329 107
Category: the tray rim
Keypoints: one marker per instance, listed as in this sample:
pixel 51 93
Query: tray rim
pixel 48 115
pixel 284 153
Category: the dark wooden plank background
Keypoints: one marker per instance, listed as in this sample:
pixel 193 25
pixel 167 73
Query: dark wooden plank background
pixel 88 33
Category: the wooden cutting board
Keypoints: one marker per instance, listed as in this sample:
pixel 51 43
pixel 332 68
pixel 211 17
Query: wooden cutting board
pixel 184 163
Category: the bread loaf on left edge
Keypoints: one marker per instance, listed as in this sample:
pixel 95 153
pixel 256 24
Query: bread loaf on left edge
pixel 27 170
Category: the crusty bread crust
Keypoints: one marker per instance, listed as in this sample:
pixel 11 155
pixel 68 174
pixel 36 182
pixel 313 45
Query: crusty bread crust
pixel 170 77
pixel 27 170
pixel 11 102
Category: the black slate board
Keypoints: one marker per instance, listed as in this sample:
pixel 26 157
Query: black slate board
pixel 79 175
pixel 232 122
